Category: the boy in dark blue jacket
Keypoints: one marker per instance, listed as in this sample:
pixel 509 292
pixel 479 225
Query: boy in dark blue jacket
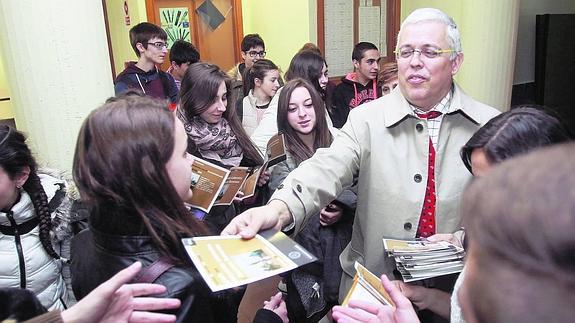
pixel 149 43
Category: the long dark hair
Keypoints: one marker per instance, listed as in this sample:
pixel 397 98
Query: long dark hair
pixel 322 136
pixel 14 157
pixel 120 165
pixel 515 132
pixel 258 70
pixel 307 64
pixel 198 91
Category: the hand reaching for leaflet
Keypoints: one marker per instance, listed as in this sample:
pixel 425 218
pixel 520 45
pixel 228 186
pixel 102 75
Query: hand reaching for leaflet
pixel 249 223
pixel 277 305
pixel 360 311
pixel 116 301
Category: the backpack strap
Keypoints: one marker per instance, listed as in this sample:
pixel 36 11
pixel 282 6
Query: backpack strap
pixel 240 109
pixel 168 86
pixel 58 198
pixel 150 273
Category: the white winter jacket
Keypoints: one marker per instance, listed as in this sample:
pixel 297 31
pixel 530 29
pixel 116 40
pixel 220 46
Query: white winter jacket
pixel 23 260
pixel 249 116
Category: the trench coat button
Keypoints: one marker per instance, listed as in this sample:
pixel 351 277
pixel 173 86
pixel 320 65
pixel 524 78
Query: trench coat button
pixel 407 226
pixel 419 127
pixel 298 188
pixel 417 178
pixel 280 186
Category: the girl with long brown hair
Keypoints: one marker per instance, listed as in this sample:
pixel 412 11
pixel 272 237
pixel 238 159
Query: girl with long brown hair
pixel 133 172
pixel 302 119
pixel 214 130
pixel 307 65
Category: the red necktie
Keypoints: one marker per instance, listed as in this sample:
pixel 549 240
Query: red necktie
pixel 426 225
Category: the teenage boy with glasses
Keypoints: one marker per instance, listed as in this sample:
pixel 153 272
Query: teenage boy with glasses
pixel 252 50
pixel 149 44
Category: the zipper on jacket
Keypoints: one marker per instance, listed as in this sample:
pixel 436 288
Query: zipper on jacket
pixel 18 249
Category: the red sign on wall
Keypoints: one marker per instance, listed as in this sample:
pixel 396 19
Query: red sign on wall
pixel 126 13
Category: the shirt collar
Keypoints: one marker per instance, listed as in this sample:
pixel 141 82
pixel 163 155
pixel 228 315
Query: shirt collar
pixel 442 106
pixel 399 109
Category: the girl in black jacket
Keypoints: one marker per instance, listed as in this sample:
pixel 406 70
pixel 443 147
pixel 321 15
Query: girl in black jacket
pixel 133 173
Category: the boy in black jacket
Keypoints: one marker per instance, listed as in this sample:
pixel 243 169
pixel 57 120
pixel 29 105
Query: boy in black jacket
pixel 359 86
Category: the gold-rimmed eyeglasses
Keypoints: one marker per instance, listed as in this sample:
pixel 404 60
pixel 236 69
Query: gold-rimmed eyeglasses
pixel 427 51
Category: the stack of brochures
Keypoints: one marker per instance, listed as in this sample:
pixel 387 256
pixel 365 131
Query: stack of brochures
pixel 421 259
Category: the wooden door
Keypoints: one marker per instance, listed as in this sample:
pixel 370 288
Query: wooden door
pixel 219 45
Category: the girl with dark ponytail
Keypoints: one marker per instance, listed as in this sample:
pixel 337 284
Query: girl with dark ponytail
pixel 261 82
pixel 27 201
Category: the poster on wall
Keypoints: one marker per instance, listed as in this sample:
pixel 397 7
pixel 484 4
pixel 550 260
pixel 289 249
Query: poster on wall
pixel 211 15
pixel 176 23
pixel 126 13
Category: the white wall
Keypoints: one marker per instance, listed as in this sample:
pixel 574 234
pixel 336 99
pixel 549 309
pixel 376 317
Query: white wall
pixel 525 54
pixel 58 66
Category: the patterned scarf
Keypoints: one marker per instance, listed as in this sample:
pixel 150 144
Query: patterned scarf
pixel 215 141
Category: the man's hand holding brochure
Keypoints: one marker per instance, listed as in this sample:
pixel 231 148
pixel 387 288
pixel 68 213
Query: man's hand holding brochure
pixel 230 261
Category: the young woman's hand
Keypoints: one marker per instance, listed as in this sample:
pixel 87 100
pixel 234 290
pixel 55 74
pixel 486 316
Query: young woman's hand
pixel 277 305
pixel 330 214
pixel 418 295
pixel 116 301
pixel 435 300
pixel 360 311
pixel 264 178
pixel 239 196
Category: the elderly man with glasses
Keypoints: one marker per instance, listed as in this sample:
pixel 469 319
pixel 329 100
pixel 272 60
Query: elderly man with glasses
pixel 401 149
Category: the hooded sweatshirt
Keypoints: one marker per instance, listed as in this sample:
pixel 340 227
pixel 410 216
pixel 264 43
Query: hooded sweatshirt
pixel 155 83
pixel 350 94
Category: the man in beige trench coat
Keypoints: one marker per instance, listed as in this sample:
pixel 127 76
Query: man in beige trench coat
pixel 386 146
